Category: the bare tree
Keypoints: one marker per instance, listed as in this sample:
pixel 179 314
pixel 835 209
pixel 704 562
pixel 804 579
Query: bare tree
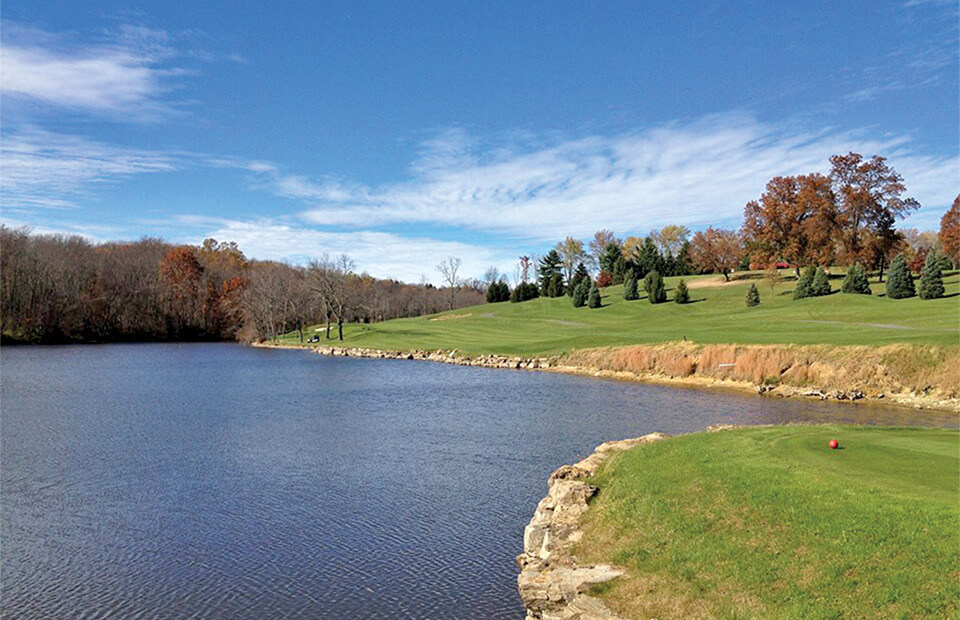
pixel 448 268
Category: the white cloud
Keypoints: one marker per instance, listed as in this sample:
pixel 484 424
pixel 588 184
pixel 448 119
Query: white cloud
pixel 380 254
pixel 42 169
pixel 693 174
pixel 125 77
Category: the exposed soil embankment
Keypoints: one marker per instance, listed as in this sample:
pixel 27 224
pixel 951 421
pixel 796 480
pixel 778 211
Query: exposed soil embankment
pixel 915 375
pixel 911 375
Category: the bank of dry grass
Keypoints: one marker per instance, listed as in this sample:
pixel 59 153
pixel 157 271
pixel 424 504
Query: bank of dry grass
pixel 930 370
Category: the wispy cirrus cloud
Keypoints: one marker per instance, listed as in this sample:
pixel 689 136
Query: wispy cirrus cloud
pixel 125 77
pixel 695 174
pixel 50 170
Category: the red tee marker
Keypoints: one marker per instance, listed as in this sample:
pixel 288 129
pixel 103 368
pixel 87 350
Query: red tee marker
pixel 834 444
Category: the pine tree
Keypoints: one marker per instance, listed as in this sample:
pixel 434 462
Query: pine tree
pixel 579 275
pixel 684 262
pixel 821 284
pixel 497 292
pixel 931 279
pixel 753 296
pixel 581 293
pixel 855 282
pixel 681 294
pixel 656 291
pixel 649 259
pixel 550 265
pixel 492 292
pixel 593 300
pixel 630 291
pixel 899 280
pixel 804 286
pixel 524 291
pixel 555 286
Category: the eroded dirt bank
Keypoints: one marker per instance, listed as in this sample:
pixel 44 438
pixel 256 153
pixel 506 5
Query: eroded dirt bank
pixel 917 376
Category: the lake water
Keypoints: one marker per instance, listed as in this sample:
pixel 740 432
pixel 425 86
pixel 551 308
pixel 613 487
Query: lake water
pixel 213 480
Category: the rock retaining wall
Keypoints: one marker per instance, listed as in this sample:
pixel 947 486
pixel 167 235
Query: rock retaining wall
pixel 446 357
pixel 551 584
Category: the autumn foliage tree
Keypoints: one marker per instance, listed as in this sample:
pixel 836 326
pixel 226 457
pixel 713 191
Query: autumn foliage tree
pixel 870 200
pixel 794 220
pixel 715 250
pixel 950 232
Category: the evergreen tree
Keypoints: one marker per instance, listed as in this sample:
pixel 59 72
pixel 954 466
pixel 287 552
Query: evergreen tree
pixel 931 279
pixel 656 291
pixel 524 291
pixel 492 292
pixel 630 291
pixel 555 286
pixel 579 276
pixel 684 262
pixel 671 266
pixel 581 293
pixel 681 294
pixel 649 259
pixel 899 281
pixel 593 299
pixel 497 292
pixel 821 284
pixel 753 296
pixel 611 261
pixel 549 265
pixel 804 286
pixel 855 282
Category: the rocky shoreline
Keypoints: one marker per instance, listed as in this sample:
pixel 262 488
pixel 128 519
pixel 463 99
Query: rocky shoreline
pixel 558 364
pixel 551 584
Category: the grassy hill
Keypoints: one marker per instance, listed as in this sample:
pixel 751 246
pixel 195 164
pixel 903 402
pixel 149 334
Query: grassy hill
pixel 768 522
pixel 717 314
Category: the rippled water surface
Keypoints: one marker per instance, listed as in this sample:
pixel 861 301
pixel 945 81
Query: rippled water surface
pixel 212 480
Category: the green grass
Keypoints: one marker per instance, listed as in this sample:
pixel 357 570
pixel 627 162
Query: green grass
pixel 718 315
pixel 768 522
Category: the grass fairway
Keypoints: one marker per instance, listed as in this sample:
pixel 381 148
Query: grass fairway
pixel 718 314
pixel 768 522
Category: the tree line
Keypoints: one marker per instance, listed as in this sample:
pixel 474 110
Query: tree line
pixel 847 216
pixel 59 288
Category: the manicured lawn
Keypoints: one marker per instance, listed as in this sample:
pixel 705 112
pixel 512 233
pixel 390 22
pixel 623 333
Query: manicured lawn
pixel 768 522
pixel 718 315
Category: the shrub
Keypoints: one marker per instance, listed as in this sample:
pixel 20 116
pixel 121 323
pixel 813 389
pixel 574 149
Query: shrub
pixel 604 279
pixel 580 293
pixel 681 294
pixel 804 286
pixel 653 284
pixel 630 291
pixel 900 281
pixel 753 296
pixel 855 282
pixel 821 284
pixel 593 299
pixel 931 279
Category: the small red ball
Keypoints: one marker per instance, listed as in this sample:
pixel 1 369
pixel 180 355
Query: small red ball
pixel 834 444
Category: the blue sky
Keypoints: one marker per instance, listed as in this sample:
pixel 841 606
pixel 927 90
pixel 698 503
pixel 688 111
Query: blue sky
pixel 401 133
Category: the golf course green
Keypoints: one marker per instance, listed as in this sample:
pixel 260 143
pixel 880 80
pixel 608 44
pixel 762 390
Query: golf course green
pixel 770 522
pixel 717 314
